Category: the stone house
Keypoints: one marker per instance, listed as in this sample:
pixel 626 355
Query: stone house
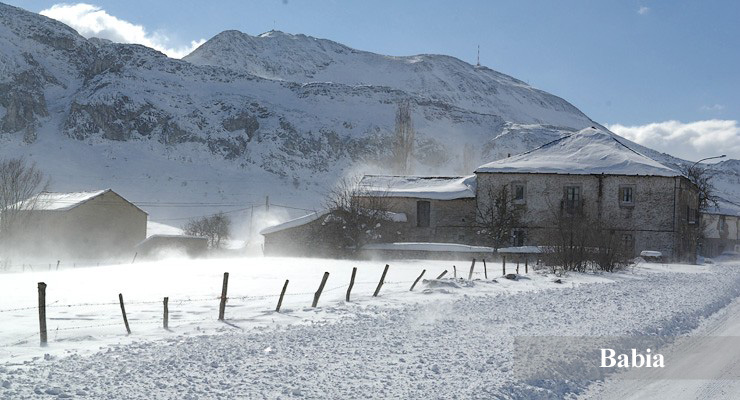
pixel 721 230
pixel 644 204
pixel 591 173
pixel 423 209
pixel 80 225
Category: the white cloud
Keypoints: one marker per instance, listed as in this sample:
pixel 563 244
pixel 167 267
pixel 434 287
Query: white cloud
pixel 690 141
pixel 643 10
pixel 92 21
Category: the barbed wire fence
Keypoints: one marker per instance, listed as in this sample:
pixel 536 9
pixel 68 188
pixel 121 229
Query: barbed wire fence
pixel 238 303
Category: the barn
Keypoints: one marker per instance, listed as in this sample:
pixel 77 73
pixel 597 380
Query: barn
pixel 92 225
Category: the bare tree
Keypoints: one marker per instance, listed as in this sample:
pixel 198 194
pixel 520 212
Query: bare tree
pixel 579 242
pixel 216 228
pixel 355 216
pixel 403 141
pixel 498 215
pixel 703 179
pixel 20 184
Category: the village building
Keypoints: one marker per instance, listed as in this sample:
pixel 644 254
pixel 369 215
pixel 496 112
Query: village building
pixel 90 225
pixel 641 203
pixel 648 205
pixel 721 230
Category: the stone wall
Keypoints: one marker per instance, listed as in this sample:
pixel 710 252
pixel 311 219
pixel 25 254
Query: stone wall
pixel 655 219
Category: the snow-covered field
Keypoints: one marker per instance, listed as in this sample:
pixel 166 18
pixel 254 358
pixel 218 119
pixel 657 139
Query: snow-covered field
pixel 436 342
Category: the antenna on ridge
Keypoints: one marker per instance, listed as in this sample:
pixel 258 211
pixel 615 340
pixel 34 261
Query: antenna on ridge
pixel 477 63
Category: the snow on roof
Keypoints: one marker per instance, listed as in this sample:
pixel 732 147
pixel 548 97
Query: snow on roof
pixel 425 187
pixel 589 151
pixel 389 216
pixel 449 247
pixel 724 207
pixel 49 201
pixel 445 247
pixel 294 222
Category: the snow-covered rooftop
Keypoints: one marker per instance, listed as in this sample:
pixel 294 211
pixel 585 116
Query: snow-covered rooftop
pixel 589 151
pixel 294 222
pixel 49 201
pixel 425 187
pixel 389 216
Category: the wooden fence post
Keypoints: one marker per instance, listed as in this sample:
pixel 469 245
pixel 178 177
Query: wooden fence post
pixel 42 313
pixel 282 293
pixel 442 274
pixel 123 311
pixel 485 269
pixel 351 282
pixel 166 318
pixel 503 264
pixel 526 266
pixel 58 265
pixel 454 272
pixel 134 260
pixel 382 279
pixel 321 289
pixel 472 266
pixel 417 280
pixel 517 265
pixel 222 306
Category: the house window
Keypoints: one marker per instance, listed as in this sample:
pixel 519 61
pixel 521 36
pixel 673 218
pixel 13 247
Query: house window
pixel 628 241
pixel 518 237
pixel 691 215
pixel 627 195
pixel 519 193
pixel 422 213
pixel 572 197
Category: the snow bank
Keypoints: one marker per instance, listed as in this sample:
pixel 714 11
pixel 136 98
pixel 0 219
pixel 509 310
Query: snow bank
pixel 453 344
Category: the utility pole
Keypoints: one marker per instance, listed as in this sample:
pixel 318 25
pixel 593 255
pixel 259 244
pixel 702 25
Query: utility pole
pixel 477 64
pixel 267 203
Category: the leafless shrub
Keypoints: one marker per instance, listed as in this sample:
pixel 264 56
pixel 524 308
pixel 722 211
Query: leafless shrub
pixel 497 215
pixel 216 228
pixel 580 242
pixel 355 216
pixel 20 184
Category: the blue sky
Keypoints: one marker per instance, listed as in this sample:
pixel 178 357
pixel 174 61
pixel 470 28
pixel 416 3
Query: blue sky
pixel 629 62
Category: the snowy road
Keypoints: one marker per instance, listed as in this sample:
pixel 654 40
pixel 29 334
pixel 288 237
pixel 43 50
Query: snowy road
pixel 458 347
pixel 713 350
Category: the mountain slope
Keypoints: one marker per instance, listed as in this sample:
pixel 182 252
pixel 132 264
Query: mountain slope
pixel 246 117
pixel 304 59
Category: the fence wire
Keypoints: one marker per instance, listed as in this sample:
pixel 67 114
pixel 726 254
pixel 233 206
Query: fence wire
pixel 173 316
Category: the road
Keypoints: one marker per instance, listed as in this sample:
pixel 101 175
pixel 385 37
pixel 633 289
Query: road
pixel 704 365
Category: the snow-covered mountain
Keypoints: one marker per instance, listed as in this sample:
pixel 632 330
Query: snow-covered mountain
pixel 299 58
pixel 245 117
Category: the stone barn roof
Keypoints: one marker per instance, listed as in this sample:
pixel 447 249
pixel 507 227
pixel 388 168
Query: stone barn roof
pixel 589 151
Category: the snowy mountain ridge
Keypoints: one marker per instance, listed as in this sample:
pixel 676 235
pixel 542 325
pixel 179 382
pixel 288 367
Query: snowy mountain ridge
pixel 244 117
